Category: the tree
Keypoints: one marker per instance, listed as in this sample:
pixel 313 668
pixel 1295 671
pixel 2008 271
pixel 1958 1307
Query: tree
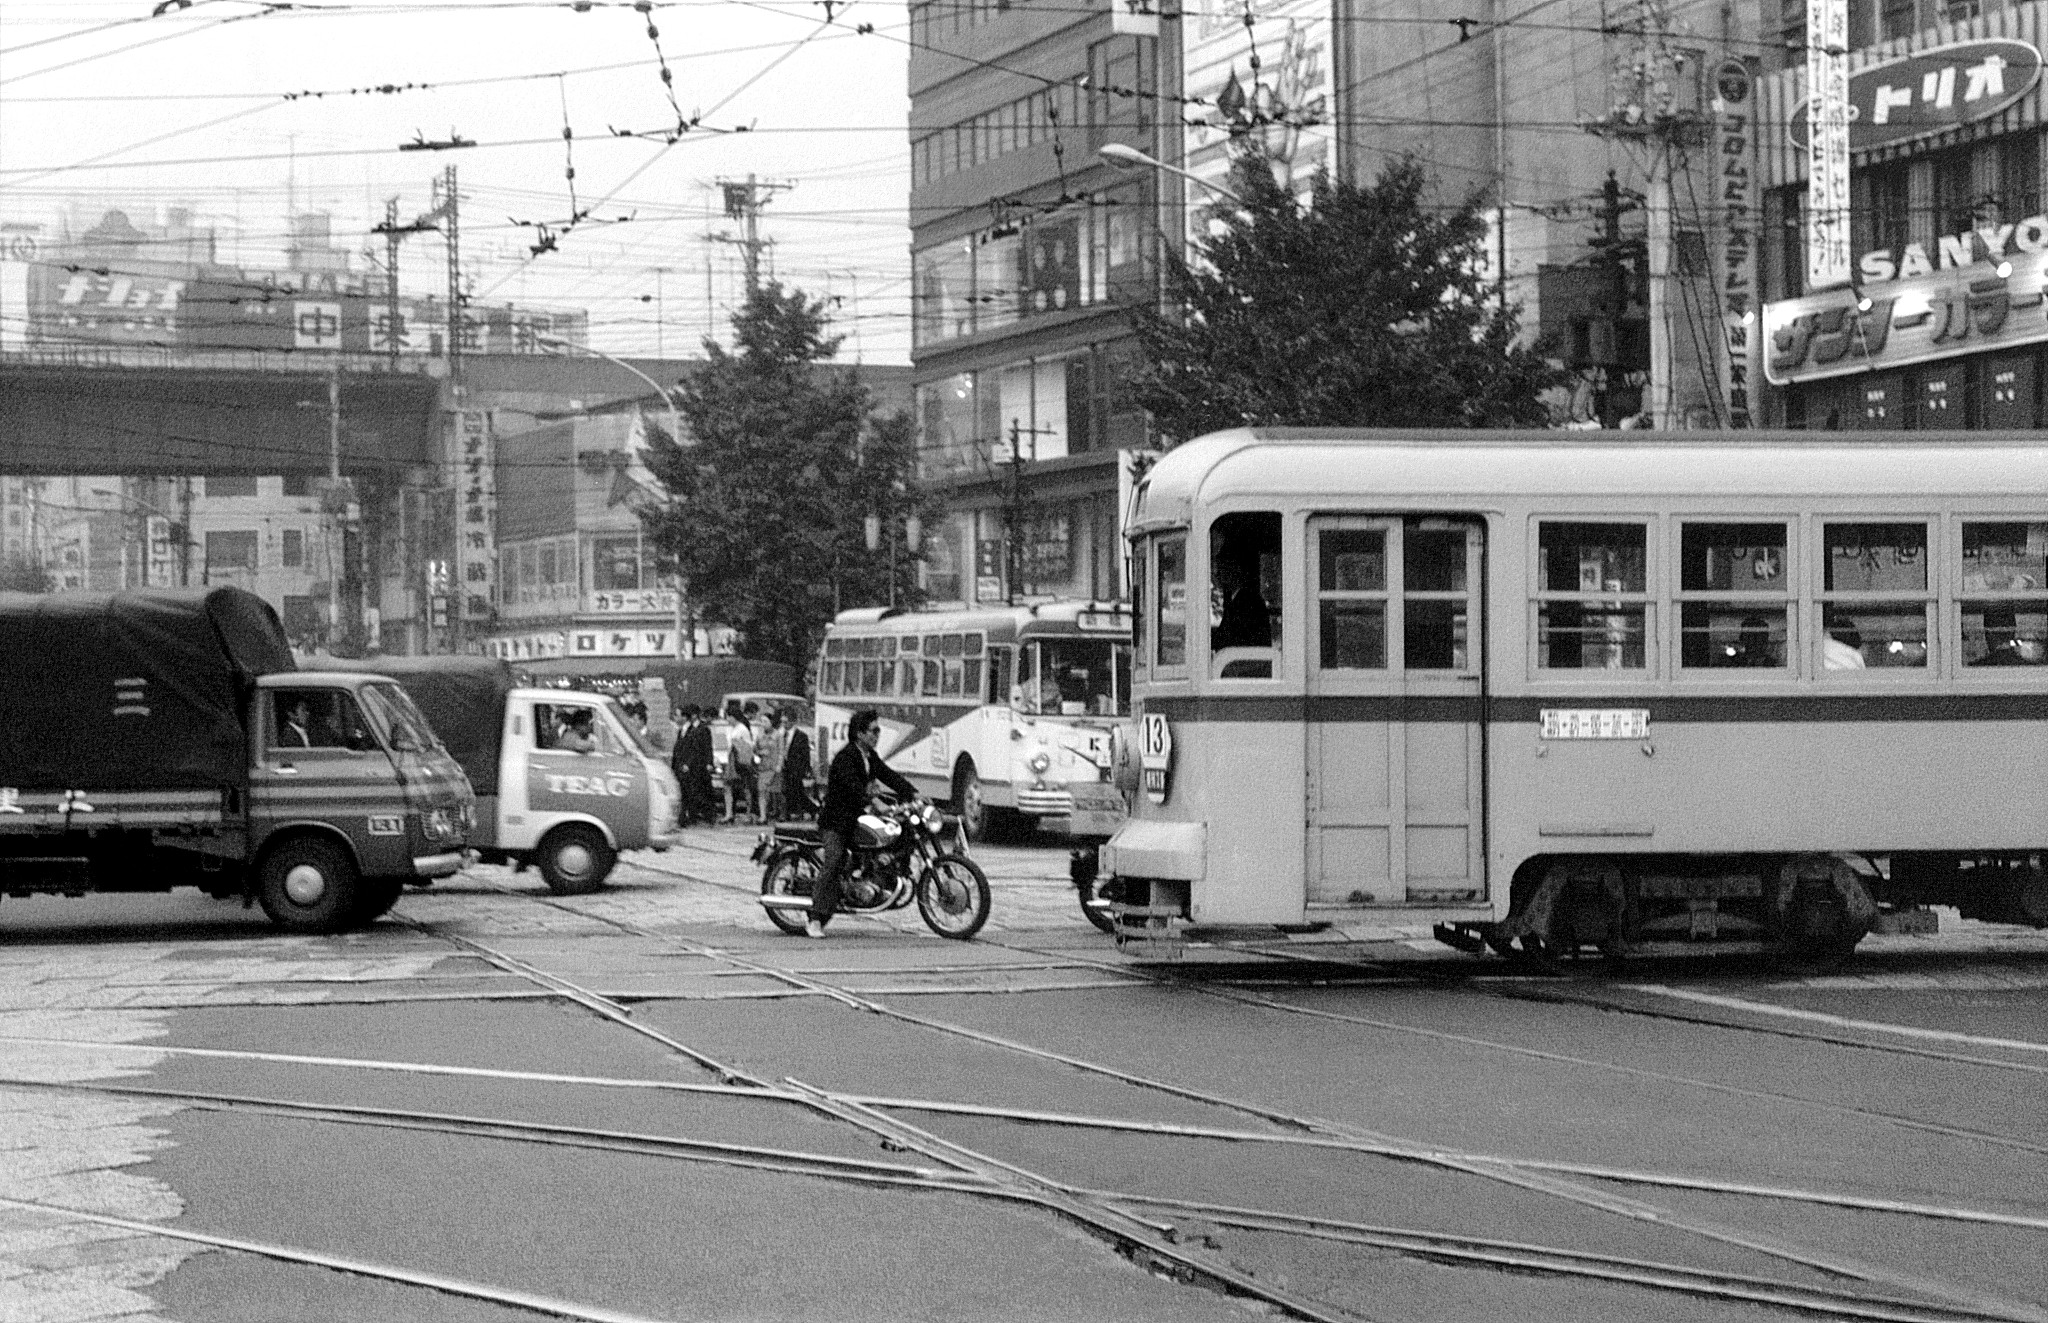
pixel 18 575
pixel 1366 308
pixel 769 493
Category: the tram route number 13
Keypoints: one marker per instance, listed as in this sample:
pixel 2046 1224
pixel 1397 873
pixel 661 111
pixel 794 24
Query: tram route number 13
pixel 1155 754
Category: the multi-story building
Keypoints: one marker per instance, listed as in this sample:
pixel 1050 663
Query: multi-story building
pixel 1941 324
pixel 1025 246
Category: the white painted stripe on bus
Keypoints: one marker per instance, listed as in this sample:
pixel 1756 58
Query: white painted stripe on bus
pixel 1838 1021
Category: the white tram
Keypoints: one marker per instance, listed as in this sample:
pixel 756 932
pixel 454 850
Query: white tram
pixel 1553 692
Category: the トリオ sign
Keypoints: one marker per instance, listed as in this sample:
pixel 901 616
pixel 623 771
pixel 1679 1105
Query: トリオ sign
pixel 1931 92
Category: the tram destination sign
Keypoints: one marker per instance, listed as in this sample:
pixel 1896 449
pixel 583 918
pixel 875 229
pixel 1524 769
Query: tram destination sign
pixel 1603 723
pixel 1931 91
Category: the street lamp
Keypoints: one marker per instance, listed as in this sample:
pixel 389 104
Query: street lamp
pixel 913 537
pixel 1125 157
pixel 675 434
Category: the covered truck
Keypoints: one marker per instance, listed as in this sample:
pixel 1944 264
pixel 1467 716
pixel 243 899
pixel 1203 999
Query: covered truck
pixel 564 802
pixel 164 738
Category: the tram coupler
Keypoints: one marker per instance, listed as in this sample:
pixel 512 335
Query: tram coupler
pixel 1470 938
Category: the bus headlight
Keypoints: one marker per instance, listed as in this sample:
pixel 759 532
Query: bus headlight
pixel 1040 761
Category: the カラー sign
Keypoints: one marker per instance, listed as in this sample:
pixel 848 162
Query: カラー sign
pixel 1931 92
pixel 1842 331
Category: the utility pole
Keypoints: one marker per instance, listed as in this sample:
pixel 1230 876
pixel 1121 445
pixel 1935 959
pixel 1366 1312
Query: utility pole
pixel 743 203
pixel 448 206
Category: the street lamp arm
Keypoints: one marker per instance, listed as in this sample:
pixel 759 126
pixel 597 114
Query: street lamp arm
pixel 675 423
pixel 1125 157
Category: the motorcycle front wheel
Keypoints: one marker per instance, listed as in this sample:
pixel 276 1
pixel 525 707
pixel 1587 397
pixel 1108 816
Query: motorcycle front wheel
pixel 793 873
pixel 953 896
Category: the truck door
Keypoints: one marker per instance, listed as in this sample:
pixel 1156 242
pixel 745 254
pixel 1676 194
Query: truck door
pixel 1393 713
pixel 320 762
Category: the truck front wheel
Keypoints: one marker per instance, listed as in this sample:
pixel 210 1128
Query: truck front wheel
pixel 309 885
pixel 574 859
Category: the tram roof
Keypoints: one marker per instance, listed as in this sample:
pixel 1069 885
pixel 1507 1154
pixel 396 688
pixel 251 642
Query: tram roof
pixel 1483 469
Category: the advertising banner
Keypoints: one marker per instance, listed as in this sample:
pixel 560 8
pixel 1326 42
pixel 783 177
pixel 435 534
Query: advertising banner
pixel 1735 152
pixel 1827 146
pixel 476 512
pixel 1265 69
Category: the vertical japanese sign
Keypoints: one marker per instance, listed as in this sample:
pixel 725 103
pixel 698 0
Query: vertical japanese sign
pixel 1827 144
pixel 1739 321
pixel 476 519
pixel 1265 70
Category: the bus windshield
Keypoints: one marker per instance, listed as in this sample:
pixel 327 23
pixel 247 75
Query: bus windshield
pixel 1074 678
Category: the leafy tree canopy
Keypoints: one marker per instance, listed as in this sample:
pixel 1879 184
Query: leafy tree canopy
pixel 18 575
pixel 1365 308
pixel 769 493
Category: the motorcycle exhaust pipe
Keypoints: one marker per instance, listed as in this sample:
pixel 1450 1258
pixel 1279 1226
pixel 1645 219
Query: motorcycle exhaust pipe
pixel 786 902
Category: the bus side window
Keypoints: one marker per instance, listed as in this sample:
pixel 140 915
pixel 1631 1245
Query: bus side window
pixel 1244 592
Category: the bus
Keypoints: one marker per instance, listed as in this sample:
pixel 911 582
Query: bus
pixel 1586 694
pixel 1008 713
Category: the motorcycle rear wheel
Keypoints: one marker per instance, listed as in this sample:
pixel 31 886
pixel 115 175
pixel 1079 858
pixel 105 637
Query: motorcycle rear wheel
pixel 953 896
pixel 790 874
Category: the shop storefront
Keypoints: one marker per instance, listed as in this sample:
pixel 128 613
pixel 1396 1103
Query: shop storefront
pixel 1945 324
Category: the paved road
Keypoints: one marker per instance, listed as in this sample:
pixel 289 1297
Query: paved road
pixel 648 1104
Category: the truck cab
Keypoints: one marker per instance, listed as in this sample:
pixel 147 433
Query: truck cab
pixel 350 797
pixel 577 783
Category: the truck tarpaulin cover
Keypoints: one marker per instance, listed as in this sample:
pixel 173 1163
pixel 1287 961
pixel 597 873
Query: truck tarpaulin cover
pixel 462 697
pixel 131 691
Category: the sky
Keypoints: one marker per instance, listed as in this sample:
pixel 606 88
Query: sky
pixel 103 104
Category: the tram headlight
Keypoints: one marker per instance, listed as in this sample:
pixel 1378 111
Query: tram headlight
pixel 1039 761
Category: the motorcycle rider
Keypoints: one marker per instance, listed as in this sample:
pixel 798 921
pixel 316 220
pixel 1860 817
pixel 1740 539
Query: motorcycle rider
pixel 846 795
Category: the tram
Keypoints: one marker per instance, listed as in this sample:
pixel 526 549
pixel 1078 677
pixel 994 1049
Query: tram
pixel 1571 693
pixel 1009 712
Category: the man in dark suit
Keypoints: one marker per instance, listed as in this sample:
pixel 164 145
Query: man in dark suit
pixel 692 764
pixel 796 769
pixel 854 768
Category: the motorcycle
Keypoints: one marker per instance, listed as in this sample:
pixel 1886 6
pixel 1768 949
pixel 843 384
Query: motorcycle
pixel 899 852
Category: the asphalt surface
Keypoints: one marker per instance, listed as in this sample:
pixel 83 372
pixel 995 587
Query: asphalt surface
pixel 649 1104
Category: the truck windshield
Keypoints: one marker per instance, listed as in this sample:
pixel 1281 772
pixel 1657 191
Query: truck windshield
pixel 633 731
pixel 400 723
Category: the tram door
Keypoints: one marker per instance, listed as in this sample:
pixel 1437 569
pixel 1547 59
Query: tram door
pixel 1393 793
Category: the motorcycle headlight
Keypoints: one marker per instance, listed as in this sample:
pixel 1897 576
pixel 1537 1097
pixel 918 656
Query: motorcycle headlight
pixel 1040 761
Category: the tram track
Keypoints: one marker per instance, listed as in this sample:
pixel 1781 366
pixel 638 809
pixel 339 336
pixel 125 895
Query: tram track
pixel 1114 1216
pixel 1550 1184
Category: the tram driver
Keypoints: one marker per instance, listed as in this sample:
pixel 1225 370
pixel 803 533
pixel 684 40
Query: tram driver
pixel 1241 547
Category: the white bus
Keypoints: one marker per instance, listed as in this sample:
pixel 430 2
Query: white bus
pixel 1008 712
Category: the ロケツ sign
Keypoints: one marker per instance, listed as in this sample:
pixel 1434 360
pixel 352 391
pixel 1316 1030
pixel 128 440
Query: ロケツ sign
pixel 1932 92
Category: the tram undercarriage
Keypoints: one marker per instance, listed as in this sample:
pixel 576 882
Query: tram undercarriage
pixel 1807 909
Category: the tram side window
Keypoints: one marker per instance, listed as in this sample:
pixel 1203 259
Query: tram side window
pixel 1351 599
pixel 1875 596
pixel 1733 592
pixel 1171 602
pixel 1244 592
pixel 2005 574
pixel 1592 607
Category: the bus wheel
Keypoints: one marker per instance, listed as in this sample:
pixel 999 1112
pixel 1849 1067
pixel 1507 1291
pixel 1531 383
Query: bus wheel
pixel 574 859
pixel 967 802
pixel 309 885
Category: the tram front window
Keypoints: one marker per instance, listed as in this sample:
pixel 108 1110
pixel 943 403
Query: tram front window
pixel 1244 592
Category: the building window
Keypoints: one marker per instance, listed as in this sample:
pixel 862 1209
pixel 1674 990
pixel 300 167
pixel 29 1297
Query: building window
pixel 615 564
pixel 231 551
pixel 233 484
pixel 294 548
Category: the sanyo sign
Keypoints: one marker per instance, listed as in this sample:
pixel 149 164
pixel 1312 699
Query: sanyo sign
pixel 1986 243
